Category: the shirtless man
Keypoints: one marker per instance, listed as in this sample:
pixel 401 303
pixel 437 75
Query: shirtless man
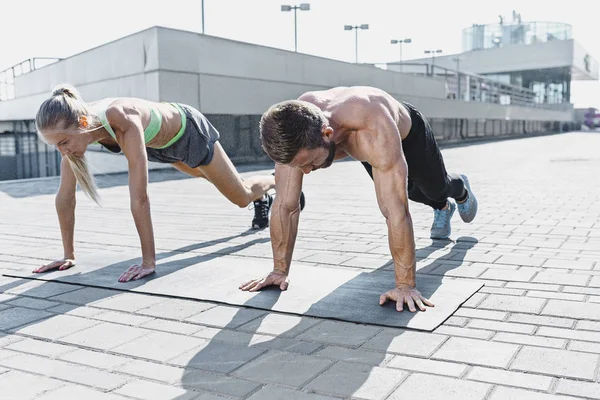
pixel 395 144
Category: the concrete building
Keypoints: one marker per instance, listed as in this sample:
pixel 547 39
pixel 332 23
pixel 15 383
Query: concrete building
pixel 233 83
pixel 540 57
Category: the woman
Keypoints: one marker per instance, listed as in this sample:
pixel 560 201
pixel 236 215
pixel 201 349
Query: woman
pixel 145 131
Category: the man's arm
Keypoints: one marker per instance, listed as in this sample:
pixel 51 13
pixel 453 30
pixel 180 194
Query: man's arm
pixel 390 175
pixel 390 187
pixel 130 134
pixel 285 215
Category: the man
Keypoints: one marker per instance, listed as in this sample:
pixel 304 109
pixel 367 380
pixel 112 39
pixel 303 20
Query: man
pixel 395 144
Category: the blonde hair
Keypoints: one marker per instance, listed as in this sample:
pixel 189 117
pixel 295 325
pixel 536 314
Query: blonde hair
pixel 84 178
pixel 66 107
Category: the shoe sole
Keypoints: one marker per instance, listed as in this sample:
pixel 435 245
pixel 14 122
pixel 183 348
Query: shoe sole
pixel 475 204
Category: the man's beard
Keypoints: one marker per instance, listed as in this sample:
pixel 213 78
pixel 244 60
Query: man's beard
pixel 330 157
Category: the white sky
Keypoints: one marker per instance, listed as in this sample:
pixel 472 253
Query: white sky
pixel 61 28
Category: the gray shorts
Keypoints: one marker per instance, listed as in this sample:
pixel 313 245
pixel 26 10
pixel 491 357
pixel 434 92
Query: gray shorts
pixel 195 147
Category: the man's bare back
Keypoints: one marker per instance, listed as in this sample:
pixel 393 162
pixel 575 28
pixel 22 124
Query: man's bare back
pixel 347 108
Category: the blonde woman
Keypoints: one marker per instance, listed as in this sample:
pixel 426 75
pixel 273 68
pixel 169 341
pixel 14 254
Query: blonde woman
pixel 144 131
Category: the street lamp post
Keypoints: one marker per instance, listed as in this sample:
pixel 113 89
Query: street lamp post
pixel 457 60
pixel 395 41
pixel 202 16
pixel 301 7
pixel 356 28
pixel 433 53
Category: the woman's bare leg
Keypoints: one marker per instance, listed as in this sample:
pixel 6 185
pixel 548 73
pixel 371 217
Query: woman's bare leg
pixel 222 173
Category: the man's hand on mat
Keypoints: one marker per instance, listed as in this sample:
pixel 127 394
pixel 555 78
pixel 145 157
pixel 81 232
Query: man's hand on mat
pixel 405 294
pixel 275 278
pixel 136 272
pixel 63 264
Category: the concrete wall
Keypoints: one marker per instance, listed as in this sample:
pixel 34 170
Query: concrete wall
pixel 519 57
pixel 124 67
pixel 506 59
pixel 242 78
pixel 120 59
pixel 442 108
pixel 579 62
pixel 221 76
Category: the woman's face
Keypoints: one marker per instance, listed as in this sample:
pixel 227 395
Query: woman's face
pixel 67 140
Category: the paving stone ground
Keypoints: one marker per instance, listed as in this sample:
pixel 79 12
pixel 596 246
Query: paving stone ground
pixel 532 332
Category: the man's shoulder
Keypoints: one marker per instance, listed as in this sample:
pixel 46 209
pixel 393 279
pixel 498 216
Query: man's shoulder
pixel 308 96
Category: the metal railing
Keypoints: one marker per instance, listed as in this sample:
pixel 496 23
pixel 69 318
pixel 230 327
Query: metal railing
pixel 7 77
pixel 472 87
pixel 23 155
pixel 479 37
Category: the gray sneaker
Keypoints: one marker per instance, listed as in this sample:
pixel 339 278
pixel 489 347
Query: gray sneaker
pixel 441 222
pixel 468 209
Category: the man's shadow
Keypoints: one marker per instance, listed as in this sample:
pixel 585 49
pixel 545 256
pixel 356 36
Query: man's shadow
pixel 221 356
pixel 246 358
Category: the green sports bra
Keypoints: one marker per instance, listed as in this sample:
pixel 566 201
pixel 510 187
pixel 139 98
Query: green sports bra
pixel 153 126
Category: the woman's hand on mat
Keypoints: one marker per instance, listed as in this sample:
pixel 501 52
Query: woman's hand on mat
pixel 62 264
pixel 405 294
pixel 136 272
pixel 275 278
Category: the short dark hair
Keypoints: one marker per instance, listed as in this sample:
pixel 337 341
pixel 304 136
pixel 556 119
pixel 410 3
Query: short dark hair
pixel 289 126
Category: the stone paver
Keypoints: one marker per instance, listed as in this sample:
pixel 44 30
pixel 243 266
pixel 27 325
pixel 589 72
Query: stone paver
pixel 352 355
pixel 154 371
pixel 16 316
pixel 283 368
pixel 40 348
pixel 478 352
pixel 532 332
pixel 94 359
pixel 529 381
pixel 577 388
pixel 556 362
pixel 281 325
pixel 218 383
pixel 358 380
pixel 159 346
pixel 218 357
pixel 79 392
pixel 343 333
pixel 420 386
pixel 105 336
pixel 57 326
pixel 405 342
pixel 270 392
pixel 530 340
pixel 224 316
pixel 155 391
pixel 175 309
pixel 513 303
pixel 427 366
pixel 20 385
pixel 65 371
pixel 505 393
